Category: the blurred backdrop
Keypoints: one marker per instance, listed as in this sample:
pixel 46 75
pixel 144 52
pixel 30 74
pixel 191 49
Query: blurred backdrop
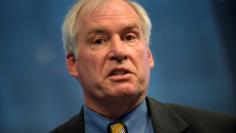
pixel 193 42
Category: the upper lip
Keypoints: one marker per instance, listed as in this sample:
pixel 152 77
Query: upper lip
pixel 119 69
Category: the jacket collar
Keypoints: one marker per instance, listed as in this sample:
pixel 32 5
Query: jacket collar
pixel 164 119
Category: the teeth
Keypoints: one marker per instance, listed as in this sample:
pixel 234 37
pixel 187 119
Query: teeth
pixel 118 72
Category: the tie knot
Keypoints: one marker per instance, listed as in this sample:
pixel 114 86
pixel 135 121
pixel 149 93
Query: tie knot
pixel 117 127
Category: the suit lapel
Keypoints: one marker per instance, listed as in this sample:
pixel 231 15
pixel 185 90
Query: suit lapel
pixel 164 119
pixel 75 125
pixel 81 129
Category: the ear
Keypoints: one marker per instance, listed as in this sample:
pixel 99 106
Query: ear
pixel 150 58
pixel 72 65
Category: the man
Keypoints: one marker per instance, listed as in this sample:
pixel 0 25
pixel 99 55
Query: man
pixel 107 50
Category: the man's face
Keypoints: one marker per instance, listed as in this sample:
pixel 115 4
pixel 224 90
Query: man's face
pixel 114 59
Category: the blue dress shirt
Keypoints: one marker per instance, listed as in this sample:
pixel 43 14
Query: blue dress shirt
pixel 137 121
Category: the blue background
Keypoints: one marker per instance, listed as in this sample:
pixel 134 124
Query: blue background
pixel 193 62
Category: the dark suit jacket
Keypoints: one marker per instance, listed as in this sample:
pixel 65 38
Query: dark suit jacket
pixel 169 118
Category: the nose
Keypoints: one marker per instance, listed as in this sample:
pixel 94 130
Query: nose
pixel 118 50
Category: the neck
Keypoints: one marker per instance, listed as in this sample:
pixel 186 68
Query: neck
pixel 113 108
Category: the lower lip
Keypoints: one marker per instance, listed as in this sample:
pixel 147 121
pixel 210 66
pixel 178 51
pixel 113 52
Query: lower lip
pixel 120 77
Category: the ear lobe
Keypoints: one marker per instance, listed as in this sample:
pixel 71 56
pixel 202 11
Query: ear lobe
pixel 150 58
pixel 72 65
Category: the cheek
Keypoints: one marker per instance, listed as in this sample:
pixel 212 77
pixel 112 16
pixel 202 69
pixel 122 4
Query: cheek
pixel 142 62
pixel 89 64
pixel 141 56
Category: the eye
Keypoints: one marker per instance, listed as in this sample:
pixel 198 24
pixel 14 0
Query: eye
pixel 99 41
pixel 130 37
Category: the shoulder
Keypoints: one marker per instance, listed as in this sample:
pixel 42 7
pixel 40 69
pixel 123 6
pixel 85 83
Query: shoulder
pixel 74 125
pixel 203 117
pixel 194 113
pixel 200 120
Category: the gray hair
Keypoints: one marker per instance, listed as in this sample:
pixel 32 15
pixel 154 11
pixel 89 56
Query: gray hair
pixel 70 25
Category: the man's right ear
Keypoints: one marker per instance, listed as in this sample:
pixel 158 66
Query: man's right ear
pixel 72 65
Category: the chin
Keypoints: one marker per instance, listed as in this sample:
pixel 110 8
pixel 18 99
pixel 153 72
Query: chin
pixel 126 90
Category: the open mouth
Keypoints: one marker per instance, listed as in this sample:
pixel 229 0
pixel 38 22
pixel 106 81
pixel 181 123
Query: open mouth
pixel 116 72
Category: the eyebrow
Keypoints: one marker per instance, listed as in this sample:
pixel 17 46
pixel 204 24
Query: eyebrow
pixel 130 27
pixel 97 31
pixel 102 30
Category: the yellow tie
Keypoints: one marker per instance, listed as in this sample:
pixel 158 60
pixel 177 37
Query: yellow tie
pixel 118 128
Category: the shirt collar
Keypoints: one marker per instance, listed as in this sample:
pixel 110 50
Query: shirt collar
pixel 133 119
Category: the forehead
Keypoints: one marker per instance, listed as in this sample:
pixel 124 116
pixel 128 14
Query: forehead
pixel 117 12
